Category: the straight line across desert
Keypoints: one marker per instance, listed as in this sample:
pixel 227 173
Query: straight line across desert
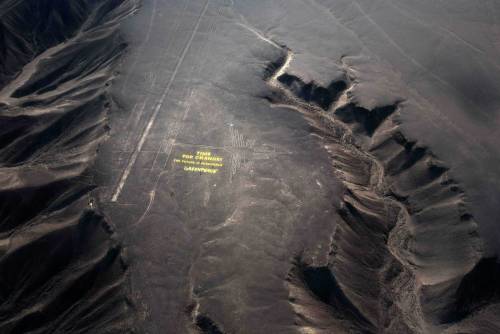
pixel 249 166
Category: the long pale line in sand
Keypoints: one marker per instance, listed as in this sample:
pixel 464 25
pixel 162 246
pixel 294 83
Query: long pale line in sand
pixel 260 35
pixel 146 131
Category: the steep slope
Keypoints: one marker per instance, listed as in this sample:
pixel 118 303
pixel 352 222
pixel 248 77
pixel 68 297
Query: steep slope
pixel 61 269
pixel 406 255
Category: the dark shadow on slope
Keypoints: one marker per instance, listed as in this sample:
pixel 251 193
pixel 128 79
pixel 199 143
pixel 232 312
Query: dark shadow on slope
pixel 369 120
pixel 310 92
pixel 324 286
pixel 478 288
pixel 207 325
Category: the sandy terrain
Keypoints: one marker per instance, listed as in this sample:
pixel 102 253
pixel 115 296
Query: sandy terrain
pixel 235 166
